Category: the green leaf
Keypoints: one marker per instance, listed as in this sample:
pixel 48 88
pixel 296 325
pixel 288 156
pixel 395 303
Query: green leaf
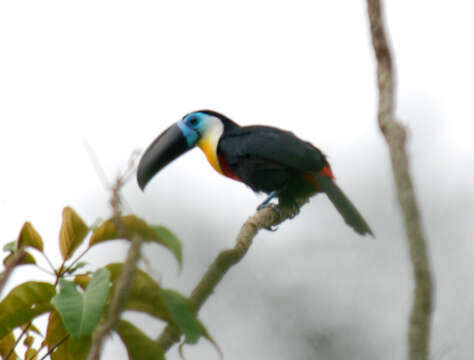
pixel 134 226
pixel 169 240
pixel 182 314
pixel 82 280
pixel 23 304
pixel 12 247
pixel 5 345
pixel 54 334
pixel 145 293
pixel 184 317
pixel 27 259
pixel 70 349
pixel 31 354
pixel 30 237
pixel 82 312
pixel 72 233
pixel 33 328
pixel 79 348
pixel 28 341
pixel 138 345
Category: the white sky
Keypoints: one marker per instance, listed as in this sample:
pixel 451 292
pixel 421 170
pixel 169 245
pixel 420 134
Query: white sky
pixel 114 74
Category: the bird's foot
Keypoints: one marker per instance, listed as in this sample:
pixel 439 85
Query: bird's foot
pixel 267 202
pixel 275 208
pixel 294 210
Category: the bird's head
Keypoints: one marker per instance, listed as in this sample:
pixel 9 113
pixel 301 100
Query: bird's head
pixel 202 128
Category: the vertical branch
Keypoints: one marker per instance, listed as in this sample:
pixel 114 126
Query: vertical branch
pixel 395 135
pixel 125 281
pixel 119 299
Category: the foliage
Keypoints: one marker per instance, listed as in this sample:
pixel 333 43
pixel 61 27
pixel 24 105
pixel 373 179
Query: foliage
pixel 77 300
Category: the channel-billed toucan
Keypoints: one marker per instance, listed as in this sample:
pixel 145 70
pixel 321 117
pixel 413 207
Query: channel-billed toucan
pixel 265 158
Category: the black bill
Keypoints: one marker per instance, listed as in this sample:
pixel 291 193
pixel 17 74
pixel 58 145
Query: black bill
pixel 167 147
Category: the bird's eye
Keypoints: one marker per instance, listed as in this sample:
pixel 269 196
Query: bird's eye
pixel 193 121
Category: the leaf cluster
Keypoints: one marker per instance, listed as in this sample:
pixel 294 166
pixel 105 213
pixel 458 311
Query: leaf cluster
pixel 76 301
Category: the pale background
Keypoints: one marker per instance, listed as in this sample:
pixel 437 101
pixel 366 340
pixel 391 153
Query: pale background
pixel 115 74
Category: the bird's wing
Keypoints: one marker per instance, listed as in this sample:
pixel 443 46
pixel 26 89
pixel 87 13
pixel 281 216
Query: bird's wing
pixel 272 145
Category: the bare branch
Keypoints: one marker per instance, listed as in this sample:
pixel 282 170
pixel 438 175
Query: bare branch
pixel 119 299
pixel 124 283
pixel 54 347
pixel 265 218
pixel 23 332
pixel 395 135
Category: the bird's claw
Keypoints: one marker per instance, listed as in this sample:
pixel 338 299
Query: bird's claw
pixel 274 207
pixel 277 211
pixel 294 210
pixel 271 228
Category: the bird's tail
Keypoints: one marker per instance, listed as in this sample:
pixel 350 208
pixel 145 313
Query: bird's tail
pixel 351 216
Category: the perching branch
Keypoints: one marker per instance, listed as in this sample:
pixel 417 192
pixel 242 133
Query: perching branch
pixel 395 135
pixel 264 218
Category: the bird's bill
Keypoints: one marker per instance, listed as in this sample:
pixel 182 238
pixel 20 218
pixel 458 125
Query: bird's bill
pixel 167 147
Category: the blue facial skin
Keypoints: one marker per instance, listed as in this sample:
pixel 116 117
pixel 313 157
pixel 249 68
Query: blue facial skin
pixel 191 127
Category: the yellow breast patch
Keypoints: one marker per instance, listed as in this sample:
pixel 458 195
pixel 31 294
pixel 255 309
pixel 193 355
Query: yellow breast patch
pixel 208 144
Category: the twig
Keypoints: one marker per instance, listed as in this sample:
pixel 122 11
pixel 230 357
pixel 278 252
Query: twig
pixel 10 266
pixel 63 339
pixel 76 260
pixel 48 261
pixel 395 135
pixel 124 283
pixel 119 298
pixel 264 218
pixel 25 329
pixel 96 163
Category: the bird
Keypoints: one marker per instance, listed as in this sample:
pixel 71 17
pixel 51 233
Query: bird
pixel 266 159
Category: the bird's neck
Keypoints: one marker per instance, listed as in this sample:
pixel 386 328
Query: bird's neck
pixel 208 144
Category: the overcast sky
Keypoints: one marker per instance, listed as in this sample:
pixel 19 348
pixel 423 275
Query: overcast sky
pixel 115 74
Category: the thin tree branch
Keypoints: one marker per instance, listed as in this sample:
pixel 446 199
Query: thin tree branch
pixel 265 218
pixel 124 283
pixel 63 339
pixel 23 332
pixel 395 135
pixel 49 262
pixel 10 266
pixel 119 299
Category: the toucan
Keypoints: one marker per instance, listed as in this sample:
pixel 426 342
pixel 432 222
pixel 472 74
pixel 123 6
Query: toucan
pixel 266 159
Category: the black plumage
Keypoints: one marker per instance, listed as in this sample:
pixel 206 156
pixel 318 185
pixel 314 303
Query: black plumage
pixel 272 160
pixel 265 158
pixel 269 159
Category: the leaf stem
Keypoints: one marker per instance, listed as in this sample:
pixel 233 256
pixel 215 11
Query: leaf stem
pixel 64 338
pixel 49 262
pixel 76 260
pixel 18 340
